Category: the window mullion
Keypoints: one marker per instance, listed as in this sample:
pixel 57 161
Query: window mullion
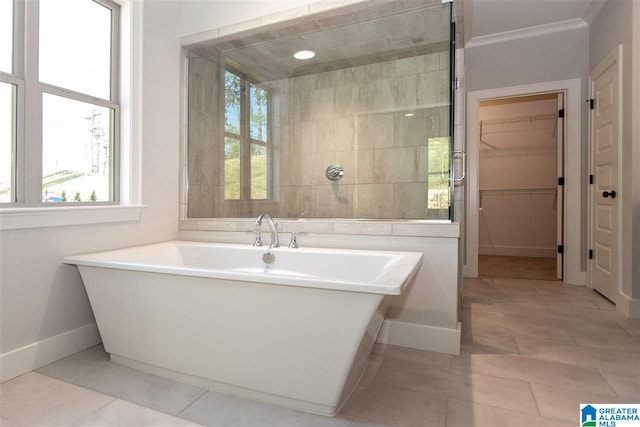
pixel 67 93
pixel 245 143
pixel 18 38
pixel 29 164
pixel 17 150
pixel 270 150
pixel 115 59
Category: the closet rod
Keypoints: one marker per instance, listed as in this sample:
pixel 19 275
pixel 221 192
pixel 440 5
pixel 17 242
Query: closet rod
pixel 534 117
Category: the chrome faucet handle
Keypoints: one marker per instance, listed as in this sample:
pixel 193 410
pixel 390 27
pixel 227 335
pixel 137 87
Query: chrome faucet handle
pixel 294 242
pixel 258 241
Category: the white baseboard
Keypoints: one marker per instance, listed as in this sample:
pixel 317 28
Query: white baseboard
pixel 33 356
pixel 630 307
pixel 518 251
pixel 421 337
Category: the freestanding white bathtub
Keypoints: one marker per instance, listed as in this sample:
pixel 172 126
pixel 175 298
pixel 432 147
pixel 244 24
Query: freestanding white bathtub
pixel 297 334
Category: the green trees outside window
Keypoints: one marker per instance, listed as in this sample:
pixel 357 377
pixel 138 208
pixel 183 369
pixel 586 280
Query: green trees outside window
pixel 247 148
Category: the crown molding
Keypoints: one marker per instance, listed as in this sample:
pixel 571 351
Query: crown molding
pixel 523 33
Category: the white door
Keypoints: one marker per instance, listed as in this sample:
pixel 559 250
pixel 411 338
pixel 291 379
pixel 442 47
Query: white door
pixel 605 132
pixel 560 188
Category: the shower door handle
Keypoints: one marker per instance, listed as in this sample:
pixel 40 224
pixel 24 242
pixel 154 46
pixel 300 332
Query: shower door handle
pixel 463 156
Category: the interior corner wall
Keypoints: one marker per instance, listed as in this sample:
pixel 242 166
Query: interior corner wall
pixel 614 26
pixel 635 137
pixel 43 302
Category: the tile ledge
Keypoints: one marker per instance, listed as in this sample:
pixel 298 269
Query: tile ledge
pixel 408 228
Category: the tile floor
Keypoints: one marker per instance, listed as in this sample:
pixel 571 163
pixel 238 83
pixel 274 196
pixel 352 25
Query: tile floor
pixel 532 351
pixel 519 267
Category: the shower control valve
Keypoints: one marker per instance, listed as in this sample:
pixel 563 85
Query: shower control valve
pixel 334 173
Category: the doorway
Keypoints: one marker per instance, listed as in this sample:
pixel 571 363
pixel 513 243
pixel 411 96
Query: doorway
pixel 520 163
pixel 573 252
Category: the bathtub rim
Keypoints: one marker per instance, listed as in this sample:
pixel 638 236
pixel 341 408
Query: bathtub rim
pixel 402 273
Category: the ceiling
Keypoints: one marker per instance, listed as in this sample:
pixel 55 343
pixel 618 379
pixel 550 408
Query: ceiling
pixel 483 18
pixel 365 33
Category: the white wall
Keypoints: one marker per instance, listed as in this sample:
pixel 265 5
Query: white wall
pixel 537 59
pixel 614 25
pixel 43 302
pixel 540 58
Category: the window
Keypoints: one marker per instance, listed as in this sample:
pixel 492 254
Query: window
pixel 247 150
pixel 438 184
pixel 67 91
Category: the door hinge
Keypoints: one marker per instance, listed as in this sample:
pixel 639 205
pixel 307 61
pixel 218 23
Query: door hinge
pixel 561 180
pixel 592 103
pixel 590 253
pixel 560 249
pixel 591 179
pixel 561 113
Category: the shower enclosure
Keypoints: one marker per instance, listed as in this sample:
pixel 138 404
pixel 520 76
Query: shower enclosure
pixel 362 129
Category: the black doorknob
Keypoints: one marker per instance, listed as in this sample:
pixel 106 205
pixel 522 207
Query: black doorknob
pixel 611 194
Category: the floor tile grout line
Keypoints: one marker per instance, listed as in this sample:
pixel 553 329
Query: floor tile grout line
pixel 499 408
pixel 459 398
pixel 125 399
pixel 191 404
pixel 96 410
pixel 446 413
pixel 604 377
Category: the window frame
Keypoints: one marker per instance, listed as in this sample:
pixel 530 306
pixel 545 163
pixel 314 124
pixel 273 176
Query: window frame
pixel 27 172
pixel 27 209
pixel 246 141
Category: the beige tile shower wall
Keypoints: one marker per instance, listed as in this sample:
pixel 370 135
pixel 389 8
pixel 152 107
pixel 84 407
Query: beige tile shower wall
pixel 355 117
pixel 205 170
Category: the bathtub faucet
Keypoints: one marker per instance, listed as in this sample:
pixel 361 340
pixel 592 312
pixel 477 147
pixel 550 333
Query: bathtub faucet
pixel 274 229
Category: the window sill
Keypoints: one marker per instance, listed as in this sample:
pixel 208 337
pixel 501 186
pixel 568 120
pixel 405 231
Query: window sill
pixel 20 218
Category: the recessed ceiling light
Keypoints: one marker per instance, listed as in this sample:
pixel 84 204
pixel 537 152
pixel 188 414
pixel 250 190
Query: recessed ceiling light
pixel 304 54
pixel 409 114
